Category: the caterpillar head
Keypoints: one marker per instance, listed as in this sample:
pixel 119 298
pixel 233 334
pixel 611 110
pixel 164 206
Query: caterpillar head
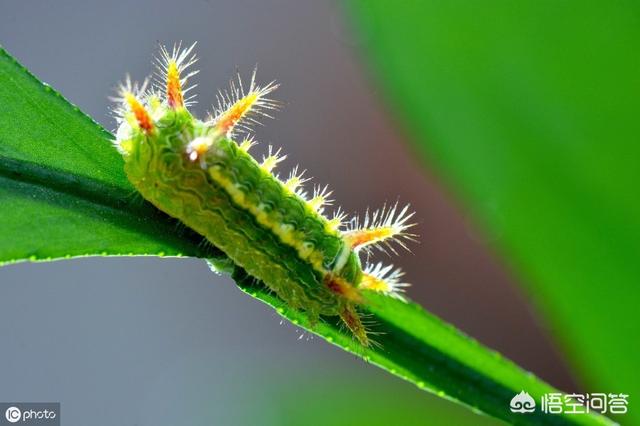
pixel 160 110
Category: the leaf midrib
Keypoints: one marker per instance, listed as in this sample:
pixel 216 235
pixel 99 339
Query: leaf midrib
pixel 102 195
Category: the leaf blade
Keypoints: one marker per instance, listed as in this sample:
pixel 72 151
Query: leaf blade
pixel 421 348
pixel 64 186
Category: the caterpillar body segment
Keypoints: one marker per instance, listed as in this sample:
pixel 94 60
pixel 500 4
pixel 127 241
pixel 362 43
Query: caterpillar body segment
pixel 195 171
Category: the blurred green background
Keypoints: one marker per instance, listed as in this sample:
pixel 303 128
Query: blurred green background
pixel 529 112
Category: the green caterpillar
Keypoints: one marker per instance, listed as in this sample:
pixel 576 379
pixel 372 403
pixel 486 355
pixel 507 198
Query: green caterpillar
pixel 196 172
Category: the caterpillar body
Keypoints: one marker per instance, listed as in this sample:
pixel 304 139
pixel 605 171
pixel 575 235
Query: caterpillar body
pixel 195 171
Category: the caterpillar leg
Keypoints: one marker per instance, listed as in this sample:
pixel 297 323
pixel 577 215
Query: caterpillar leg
pixel 353 322
pixel 383 279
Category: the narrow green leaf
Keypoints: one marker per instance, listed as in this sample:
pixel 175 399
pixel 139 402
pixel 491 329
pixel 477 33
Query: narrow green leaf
pixel 63 191
pixel 529 109
pixel 50 208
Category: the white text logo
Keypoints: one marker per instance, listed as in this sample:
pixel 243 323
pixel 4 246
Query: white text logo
pixel 522 403
pixel 13 414
pixel 571 403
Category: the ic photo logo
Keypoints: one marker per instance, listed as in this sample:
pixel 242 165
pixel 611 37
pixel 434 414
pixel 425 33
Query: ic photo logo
pixel 13 414
pixel 30 413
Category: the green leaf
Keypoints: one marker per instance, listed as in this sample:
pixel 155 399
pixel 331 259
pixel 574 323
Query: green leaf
pixel 421 348
pixel 63 190
pixel 53 208
pixel 529 109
